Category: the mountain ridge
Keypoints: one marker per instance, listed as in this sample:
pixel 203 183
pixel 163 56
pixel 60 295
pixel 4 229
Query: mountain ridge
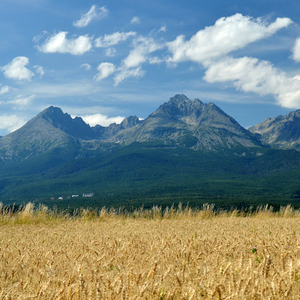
pixel 190 122
pixel 185 149
pixel 51 129
pixel 180 121
pixel 280 132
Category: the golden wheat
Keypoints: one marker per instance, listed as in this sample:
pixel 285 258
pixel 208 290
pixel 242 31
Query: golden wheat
pixel 150 254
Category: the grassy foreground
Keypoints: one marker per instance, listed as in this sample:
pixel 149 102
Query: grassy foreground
pixel 150 254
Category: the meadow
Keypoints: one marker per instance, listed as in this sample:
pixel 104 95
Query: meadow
pixel 176 253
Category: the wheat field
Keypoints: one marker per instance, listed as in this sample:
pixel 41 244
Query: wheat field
pixel 150 254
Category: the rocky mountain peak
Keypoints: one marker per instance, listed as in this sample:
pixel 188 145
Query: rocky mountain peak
pixel 281 131
pixel 75 127
pixel 196 113
pixel 180 121
pixel 190 123
pixel 130 122
pixel 180 106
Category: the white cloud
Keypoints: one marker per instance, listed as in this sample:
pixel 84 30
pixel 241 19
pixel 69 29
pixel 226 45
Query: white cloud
pixel 95 13
pixel 253 75
pixel 113 39
pixel 110 51
pixel 296 50
pixel 248 74
pixel 103 120
pixel 289 92
pixel 86 66
pixel 11 122
pixel 22 101
pixel 155 60
pixel 37 38
pixel 163 29
pixel 126 73
pixel 59 43
pixel 211 46
pixel 39 70
pixel 105 69
pixel 4 89
pixel 17 70
pixel 142 48
pixel 135 20
pixel 131 65
pixel 226 35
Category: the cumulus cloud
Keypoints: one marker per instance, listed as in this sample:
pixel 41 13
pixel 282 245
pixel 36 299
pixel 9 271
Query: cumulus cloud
pixel 16 69
pixel 135 20
pixel 105 69
pixel 143 47
pixel 211 46
pixel 95 13
pixel 248 74
pixel 11 122
pixel 226 35
pixel 131 65
pixel 59 43
pixel 253 75
pixel 113 39
pixel 103 120
pixel 126 73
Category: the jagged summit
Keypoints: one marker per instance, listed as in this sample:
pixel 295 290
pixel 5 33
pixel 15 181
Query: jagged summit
pixel 281 131
pixel 180 122
pixel 179 106
pixel 75 127
pixel 37 136
pixel 54 129
pixel 190 123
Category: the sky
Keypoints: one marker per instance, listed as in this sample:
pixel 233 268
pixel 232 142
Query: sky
pixel 107 60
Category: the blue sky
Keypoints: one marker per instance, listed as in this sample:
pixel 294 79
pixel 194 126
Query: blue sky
pixel 106 60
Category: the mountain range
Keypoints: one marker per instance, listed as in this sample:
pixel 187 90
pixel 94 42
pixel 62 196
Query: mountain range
pixel 185 150
pixel 282 132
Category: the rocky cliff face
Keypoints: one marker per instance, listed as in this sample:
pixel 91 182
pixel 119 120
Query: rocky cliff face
pixel 280 132
pixel 41 134
pixel 192 124
pixel 53 129
pixel 104 133
pixel 178 122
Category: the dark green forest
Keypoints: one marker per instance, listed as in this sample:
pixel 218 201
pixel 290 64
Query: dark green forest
pixel 147 174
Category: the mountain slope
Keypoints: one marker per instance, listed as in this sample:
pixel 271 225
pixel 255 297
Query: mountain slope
pixel 146 174
pixel 192 124
pixel 280 132
pixel 103 133
pixel 52 129
pixel 185 150
pixel 37 136
pixel 179 122
pixel 78 129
